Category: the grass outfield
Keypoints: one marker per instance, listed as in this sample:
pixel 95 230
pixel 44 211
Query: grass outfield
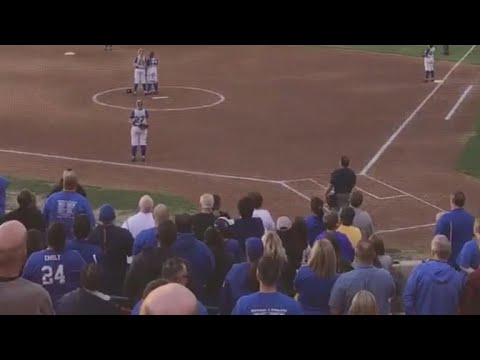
pixel 469 160
pixel 456 51
pixel 124 201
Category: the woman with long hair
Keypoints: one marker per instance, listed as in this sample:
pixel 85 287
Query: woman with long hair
pixel 315 280
pixel 363 303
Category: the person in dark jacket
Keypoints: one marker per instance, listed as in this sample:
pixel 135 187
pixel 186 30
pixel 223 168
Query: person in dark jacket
pixel 116 246
pixel 314 222
pixel 35 241
pixel 147 265
pixel 470 298
pixel 242 278
pixel 223 263
pixel 199 257
pixel 294 238
pixel 217 206
pixel 27 212
pixel 81 229
pixel 88 300
pixel 224 227
pixel 434 287
pixel 202 220
pixel 247 226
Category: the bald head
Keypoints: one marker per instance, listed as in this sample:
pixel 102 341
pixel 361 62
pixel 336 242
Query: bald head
pixel 170 299
pixel 365 252
pixel 161 213
pixel 13 248
pixel 145 204
pixel 441 247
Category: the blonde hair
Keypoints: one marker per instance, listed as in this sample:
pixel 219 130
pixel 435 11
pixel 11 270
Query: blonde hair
pixel 363 303
pixel 70 180
pixel 322 259
pixel 145 204
pixel 206 201
pixel 272 246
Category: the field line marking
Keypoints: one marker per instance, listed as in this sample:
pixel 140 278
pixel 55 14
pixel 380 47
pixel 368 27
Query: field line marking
pixel 302 195
pixel 405 193
pixel 134 166
pixel 159 97
pixel 459 102
pixel 404 229
pixel 393 197
pixel 366 192
pixel 392 138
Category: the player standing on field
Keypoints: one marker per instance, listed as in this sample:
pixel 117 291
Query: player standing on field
pixel 152 74
pixel 139 130
pixel 139 77
pixel 429 61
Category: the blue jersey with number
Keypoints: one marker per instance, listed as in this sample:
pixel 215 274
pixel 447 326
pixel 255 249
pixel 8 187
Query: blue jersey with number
pixel 58 273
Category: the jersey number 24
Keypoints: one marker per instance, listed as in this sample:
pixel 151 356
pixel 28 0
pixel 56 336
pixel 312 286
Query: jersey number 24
pixel 49 277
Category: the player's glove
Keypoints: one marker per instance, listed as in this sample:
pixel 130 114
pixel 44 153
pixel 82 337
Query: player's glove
pixel 143 126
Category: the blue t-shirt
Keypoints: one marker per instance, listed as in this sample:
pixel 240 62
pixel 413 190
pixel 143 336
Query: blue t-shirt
pixel 3 194
pixel 90 253
pixel 267 304
pixel 63 206
pixel 58 273
pixel 345 247
pixel 314 226
pixel 313 291
pixel 469 256
pixel 144 240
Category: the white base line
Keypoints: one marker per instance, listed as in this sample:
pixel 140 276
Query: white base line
pixel 285 185
pixel 455 107
pixel 145 167
pixel 405 193
pixel 412 115
pixel 404 229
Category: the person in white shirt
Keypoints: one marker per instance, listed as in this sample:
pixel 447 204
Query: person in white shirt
pixel 142 220
pixel 263 214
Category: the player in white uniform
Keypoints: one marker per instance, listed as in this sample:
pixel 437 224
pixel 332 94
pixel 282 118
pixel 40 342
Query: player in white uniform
pixel 139 76
pixel 152 74
pixel 429 62
pixel 139 130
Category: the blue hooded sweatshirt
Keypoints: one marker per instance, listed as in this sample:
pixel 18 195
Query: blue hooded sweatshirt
pixel 345 248
pixel 433 288
pixel 144 240
pixel 314 226
pixel 200 258
pixel 90 253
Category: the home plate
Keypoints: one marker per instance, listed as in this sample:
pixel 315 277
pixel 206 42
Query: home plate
pixel 159 97
pixel 438 81
pixel 69 53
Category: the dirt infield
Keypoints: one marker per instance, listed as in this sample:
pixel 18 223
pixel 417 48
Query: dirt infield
pixel 280 119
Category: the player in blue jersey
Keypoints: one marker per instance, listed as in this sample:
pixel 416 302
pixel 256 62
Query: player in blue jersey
pixel 63 206
pixel 56 269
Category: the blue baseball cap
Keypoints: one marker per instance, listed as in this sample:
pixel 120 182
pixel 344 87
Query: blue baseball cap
pixel 254 248
pixel 106 213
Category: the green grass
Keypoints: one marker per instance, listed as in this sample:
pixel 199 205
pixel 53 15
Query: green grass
pixel 456 51
pixel 120 199
pixel 469 159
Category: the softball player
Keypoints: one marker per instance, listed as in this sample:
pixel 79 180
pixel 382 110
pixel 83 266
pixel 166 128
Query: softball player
pixel 428 62
pixel 152 74
pixel 139 130
pixel 139 77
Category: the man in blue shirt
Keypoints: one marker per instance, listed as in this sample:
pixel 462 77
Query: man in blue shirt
pixel 63 206
pixel 434 287
pixel 469 258
pixel 3 194
pixel 365 276
pixel 345 248
pixel 314 222
pixel 456 225
pixel 267 301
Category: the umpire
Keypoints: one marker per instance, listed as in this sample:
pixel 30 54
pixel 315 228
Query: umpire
pixel 342 183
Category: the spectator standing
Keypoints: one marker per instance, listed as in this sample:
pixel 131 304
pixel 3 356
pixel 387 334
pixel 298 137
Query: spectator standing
pixel 314 282
pixel 456 225
pixel 345 247
pixel 470 298
pixel 116 246
pixel 346 227
pixel 88 299
pixel 81 230
pixel 224 226
pixel 143 219
pixel 365 276
pixel 170 299
pixel 247 226
pixel 261 213
pixel 148 238
pixel 343 265
pixel 35 241
pixel 217 206
pixel 27 212
pixel 362 219
pixel 242 278
pixel 385 261
pixel 18 296
pixel 147 265
pixel 199 257
pixel 3 194
pixel 469 258
pixel 59 187
pixel 56 269
pixel 342 183
pixel 434 287
pixel 267 301
pixel 205 218
pixel 294 238
pixel 363 303
pixel 314 222
pixel 63 206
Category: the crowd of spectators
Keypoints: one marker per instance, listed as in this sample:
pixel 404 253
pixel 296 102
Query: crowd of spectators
pixel 61 260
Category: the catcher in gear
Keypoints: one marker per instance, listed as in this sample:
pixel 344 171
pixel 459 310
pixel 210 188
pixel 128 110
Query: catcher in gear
pixel 139 130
